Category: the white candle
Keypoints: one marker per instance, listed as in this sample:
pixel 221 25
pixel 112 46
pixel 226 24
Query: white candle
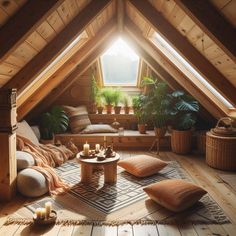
pixel 97 147
pixel 48 208
pixel 43 213
pixel 38 213
pixel 86 149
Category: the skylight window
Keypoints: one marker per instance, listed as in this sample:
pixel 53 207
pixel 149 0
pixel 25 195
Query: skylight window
pixel 158 39
pixel 120 65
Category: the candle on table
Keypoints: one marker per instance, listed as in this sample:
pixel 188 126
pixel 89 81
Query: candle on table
pixel 86 149
pixel 97 147
pixel 43 213
pixel 38 213
pixel 48 208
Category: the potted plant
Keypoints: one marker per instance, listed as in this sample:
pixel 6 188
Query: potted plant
pixel 53 122
pixel 93 94
pixel 127 103
pixel 157 104
pixel 108 95
pixel 140 113
pixel 183 109
pixel 99 103
pixel 117 96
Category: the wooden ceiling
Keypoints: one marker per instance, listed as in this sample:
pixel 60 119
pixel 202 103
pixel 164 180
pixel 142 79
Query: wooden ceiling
pixel 32 58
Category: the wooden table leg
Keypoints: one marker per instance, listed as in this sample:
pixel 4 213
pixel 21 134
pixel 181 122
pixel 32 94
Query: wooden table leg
pixel 86 173
pixel 110 173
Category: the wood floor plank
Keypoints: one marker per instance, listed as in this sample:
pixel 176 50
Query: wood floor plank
pixel 104 231
pixel 53 231
pixel 65 230
pixel 230 229
pixel 187 230
pixel 8 230
pixel 217 229
pixel 82 230
pixel 168 230
pixel 202 230
pixel 125 230
pixel 145 230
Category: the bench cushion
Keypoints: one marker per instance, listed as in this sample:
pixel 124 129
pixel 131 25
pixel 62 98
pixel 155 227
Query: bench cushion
pixel 142 165
pixel 24 160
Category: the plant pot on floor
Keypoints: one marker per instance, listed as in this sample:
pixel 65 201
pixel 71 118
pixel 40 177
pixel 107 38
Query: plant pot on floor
pixel 109 109
pixel 142 128
pixel 100 110
pixel 181 141
pixel 127 110
pixel 117 109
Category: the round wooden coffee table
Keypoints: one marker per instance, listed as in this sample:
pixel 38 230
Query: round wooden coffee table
pixel 109 165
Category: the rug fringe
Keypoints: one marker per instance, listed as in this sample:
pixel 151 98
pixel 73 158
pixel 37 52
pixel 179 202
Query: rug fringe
pixel 68 222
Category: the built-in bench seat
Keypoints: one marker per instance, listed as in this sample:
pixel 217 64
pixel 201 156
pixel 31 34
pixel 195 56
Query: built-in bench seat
pixel 129 139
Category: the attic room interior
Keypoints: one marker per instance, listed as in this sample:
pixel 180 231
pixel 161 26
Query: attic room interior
pixel 117 117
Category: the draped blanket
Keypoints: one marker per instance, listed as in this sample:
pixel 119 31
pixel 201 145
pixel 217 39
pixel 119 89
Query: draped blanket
pixel 47 157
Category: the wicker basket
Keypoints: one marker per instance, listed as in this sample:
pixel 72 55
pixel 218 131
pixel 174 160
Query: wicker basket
pixel 221 152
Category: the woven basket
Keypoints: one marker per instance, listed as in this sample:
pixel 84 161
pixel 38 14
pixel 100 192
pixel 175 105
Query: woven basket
pixel 221 152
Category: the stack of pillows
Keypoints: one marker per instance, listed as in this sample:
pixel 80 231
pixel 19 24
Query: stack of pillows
pixel 174 194
pixel 80 123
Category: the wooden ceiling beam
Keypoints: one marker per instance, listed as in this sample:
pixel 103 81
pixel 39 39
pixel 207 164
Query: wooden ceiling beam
pixel 120 14
pixel 69 70
pixel 43 59
pixel 184 47
pixel 213 23
pixel 23 23
pixel 153 54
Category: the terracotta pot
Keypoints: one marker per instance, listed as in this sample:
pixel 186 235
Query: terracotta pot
pixel 127 110
pixel 117 109
pixel 160 132
pixel 100 110
pixel 181 141
pixel 109 109
pixel 142 128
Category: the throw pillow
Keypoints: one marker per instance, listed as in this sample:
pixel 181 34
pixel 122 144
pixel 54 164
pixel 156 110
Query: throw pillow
pixel 24 160
pixel 175 195
pixel 142 165
pixel 25 131
pixel 78 117
pixel 99 128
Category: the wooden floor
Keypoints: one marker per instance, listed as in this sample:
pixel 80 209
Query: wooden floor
pixel 194 165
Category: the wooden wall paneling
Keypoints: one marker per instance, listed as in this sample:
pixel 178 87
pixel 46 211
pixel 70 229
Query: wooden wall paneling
pixel 10 7
pixel 70 70
pixel 167 7
pixel 190 53
pixel 4 79
pixel 157 4
pixel 167 65
pixel 3 17
pixel 212 23
pixel 176 15
pixel 46 31
pixel 36 41
pixel 120 14
pixel 185 25
pixel 8 69
pixel 65 13
pixel 229 12
pixel 25 77
pixel 20 2
pixel 194 34
pixel 56 22
pixel 25 24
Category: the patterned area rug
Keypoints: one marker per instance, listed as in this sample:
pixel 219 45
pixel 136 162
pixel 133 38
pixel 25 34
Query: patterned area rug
pixel 109 199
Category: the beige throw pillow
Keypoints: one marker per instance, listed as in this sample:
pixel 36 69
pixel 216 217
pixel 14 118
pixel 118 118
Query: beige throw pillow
pixel 98 128
pixel 78 117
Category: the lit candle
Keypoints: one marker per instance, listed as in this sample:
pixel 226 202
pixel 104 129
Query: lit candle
pixel 48 208
pixel 43 213
pixel 97 147
pixel 86 149
pixel 38 213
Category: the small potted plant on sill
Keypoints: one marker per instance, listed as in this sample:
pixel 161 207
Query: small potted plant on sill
pixel 117 99
pixel 108 95
pixel 127 103
pixel 183 109
pixel 99 102
pixel 52 122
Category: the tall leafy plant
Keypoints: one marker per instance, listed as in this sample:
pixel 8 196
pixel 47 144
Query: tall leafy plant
pixel 183 109
pixel 53 122
pixel 108 96
pixel 94 89
pixel 139 102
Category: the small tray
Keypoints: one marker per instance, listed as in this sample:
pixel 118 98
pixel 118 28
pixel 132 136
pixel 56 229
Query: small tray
pixel 112 155
pixel 81 154
pixel 46 221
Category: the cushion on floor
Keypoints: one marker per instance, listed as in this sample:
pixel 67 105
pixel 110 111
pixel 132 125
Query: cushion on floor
pixel 98 128
pixel 175 195
pixel 78 118
pixel 31 183
pixel 24 160
pixel 142 165
pixel 24 130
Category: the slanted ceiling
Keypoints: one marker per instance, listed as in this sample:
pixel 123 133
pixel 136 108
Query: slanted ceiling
pixel 41 54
